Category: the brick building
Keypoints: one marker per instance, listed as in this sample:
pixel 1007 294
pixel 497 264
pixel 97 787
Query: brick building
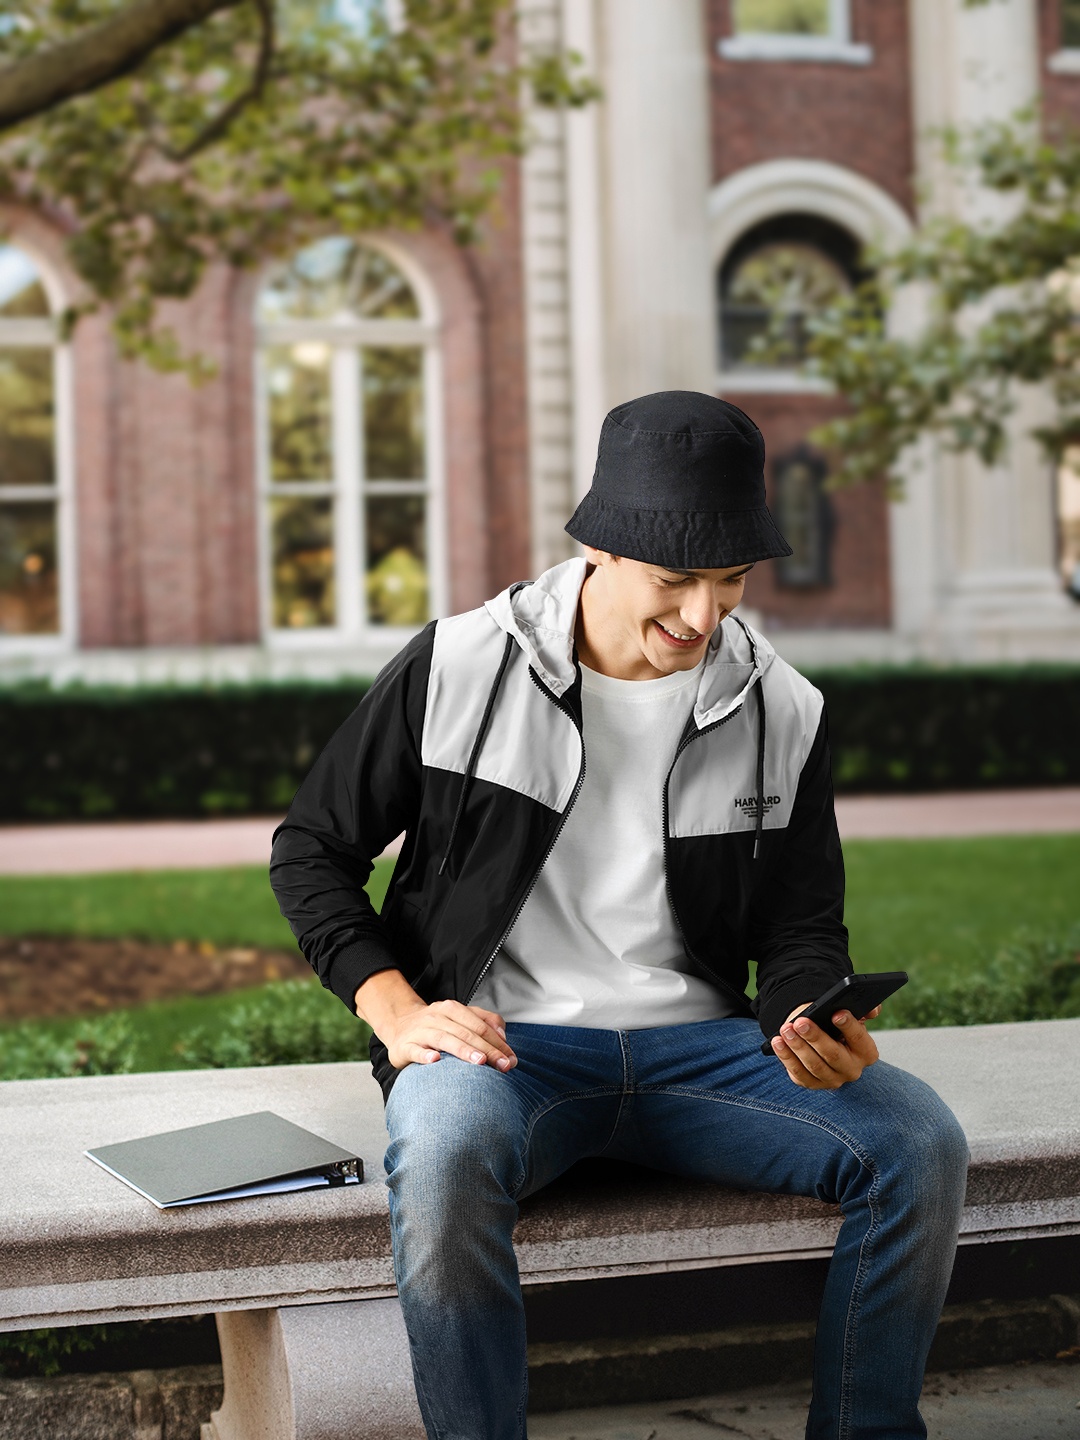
pixel 399 427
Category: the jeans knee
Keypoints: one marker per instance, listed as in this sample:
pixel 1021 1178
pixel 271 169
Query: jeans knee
pixel 448 1173
pixel 937 1141
pixel 928 1155
pixel 950 1142
pixel 452 1164
pixel 453 1142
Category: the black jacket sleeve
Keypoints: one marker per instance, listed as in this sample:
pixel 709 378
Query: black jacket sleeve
pixel 361 793
pixel 799 937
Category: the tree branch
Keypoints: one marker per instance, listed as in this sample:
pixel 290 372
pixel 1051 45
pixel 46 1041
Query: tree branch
pixel 97 56
pixel 217 127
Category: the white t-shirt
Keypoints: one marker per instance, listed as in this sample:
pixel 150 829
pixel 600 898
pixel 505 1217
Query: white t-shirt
pixel 596 943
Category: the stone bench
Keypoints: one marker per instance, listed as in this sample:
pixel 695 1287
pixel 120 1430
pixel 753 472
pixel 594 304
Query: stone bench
pixel 300 1282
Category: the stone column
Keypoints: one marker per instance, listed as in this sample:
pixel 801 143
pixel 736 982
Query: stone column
pixel 316 1372
pixel 549 356
pixel 617 264
pixel 655 173
pixel 585 250
pixel 983 584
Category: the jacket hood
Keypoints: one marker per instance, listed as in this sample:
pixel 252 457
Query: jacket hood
pixel 540 618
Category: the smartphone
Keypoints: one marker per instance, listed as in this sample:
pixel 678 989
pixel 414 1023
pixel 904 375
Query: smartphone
pixel 856 993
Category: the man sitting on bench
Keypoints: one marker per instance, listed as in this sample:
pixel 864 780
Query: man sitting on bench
pixel 615 796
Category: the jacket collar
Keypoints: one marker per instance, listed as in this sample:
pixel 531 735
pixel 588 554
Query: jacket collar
pixel 541 616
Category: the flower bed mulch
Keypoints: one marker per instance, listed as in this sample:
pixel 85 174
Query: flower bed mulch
pixel 65 975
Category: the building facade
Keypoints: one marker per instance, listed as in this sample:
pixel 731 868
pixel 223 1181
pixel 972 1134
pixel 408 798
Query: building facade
pixel 398 427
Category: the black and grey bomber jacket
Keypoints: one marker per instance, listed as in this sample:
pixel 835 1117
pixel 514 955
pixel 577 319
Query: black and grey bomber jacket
pixel 469 742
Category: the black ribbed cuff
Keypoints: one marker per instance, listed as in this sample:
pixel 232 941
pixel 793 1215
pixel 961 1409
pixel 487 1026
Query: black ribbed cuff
pixel 354 964
pixel 778 1005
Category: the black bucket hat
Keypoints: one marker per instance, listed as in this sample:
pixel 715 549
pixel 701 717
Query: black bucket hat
pixel 679 481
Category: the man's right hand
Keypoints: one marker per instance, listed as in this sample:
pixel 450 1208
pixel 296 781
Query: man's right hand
pixel 416 1033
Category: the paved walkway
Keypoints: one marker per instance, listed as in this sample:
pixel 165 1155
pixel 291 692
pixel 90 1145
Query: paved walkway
pixel 198 844
pixel 968 812
pixel 1005 1402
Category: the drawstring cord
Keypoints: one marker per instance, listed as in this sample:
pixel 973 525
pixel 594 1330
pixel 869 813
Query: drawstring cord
pixel 759 817
pixel 759 822
pixel 475 753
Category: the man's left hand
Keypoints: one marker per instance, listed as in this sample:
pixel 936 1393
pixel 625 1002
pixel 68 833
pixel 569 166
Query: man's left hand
pixel 815 1060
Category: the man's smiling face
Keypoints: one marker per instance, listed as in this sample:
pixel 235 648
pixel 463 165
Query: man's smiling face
pixel 641 621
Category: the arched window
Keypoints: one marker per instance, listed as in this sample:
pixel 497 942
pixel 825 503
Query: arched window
pixel 349 444
pixel 30 472
pixel 774 278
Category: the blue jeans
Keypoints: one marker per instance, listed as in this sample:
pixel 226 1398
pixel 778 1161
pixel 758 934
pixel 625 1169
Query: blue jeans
pixel 467 1142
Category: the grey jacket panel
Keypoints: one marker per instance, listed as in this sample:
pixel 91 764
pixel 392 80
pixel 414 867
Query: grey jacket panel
pixel 530 745
pixel 713 786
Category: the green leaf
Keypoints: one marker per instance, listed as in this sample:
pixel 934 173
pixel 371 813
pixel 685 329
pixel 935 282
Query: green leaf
pixel 352 128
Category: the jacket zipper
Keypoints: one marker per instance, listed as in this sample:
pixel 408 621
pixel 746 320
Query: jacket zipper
pixel 551 844
pixel 719 981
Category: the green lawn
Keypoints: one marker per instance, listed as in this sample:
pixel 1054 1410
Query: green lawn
pixel 914 904
pixel 933 907
pixel 226 907
pixel 910 902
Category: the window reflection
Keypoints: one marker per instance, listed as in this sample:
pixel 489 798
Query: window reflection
pixel 302 544
pixel 336 277
pixel 1069 521
pixel 346 449
pixel 29 592
pixel 357 17
pixel 774 281
pixel 21 291
pixel 781 17
pixel 298 401
pixel 393 413
pixel 26 417
pixel 804 515
pixel 29 518
pixel 397 582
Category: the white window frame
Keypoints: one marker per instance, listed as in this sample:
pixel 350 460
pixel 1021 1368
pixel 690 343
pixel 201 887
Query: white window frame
pixel 835 48
pixel 37 332
pixel 348 488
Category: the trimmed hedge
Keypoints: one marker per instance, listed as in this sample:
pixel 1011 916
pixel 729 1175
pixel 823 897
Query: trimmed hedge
pixel 964 729
pixel 91 754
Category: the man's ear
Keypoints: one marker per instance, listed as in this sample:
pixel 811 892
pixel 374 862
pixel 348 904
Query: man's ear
pixel 599 557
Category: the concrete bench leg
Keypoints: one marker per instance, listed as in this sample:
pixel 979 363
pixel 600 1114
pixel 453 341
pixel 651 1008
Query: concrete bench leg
pixel 316 1372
